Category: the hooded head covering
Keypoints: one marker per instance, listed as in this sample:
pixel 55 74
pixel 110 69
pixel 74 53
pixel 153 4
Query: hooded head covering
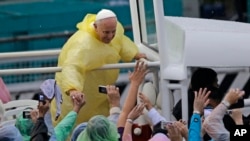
pixel 50 89
pixel 10 133
pixel 99 128
pixel 78 129
pixel 159 137
pixel 103 14
pixel 25 126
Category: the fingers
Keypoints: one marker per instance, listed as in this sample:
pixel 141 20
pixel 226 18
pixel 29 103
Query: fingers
pixel 139 108
pixel 143 98
pixel 195 94
pixel 237 92
pixel 202 94
pixel 207 102
pixel 141 67
pixel 172 129
pixel 111 88
pixel 79 99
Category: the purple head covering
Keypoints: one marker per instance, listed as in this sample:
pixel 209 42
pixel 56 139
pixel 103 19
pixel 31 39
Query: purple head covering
pixel 50 89
pixel 159 137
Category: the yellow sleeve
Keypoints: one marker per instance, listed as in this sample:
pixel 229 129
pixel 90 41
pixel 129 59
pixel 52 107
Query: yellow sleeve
pixel 73 69
pixel 129 49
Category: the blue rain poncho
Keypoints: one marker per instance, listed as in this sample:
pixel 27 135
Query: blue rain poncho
pixel 10 133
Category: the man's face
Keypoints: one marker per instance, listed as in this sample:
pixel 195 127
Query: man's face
pixel 105 29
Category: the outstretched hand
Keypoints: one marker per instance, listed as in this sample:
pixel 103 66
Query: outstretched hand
pixel 234 95
pixel 144 99
pixel 201 99
pixel 137 76
pixel 78 102
pixel 136 111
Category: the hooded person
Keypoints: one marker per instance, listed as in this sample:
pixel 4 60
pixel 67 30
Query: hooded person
pixel 24 125
pixel 50 90
pixel 8 132
pixel 99 128
pixel 99 40
pixel 159 137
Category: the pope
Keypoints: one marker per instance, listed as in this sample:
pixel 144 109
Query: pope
pixel 99 40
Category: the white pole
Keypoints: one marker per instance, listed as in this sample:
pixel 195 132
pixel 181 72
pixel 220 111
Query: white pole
pixel 135 21
pixel 39 53
pixel 159 22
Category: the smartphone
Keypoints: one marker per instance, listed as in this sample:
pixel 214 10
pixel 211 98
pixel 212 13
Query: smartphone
pixel 42 98
pixel 164 124
pixel 239 104
pixel 102 89
pixel 26 114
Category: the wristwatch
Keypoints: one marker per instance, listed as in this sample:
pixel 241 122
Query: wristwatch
pixel 226 103
pixel 196 112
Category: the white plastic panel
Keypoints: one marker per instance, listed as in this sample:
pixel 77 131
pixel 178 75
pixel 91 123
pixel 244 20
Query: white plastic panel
pixel 207 42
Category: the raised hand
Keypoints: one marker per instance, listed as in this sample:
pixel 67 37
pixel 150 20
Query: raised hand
pixel 137 76
pixel 136 112
pixel 113 94
pixel 144 99
pixel 201 99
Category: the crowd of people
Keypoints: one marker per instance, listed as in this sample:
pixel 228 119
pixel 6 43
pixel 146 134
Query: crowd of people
pixel 119 125
pixel 70 107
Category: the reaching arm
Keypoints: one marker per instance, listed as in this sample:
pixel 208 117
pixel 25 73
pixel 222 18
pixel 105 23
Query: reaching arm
pixel 64 127
pixel 200 101
pixel 136 78
pixel 133 115
pixel 214 125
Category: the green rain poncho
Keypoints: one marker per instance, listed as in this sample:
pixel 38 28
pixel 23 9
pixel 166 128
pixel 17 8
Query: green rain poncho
pixel 82 53
pixel 99 128
pixel 25 126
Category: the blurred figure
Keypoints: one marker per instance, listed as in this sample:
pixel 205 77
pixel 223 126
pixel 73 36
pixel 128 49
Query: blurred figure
pixel 213 124
pixel 4 92
pixel 99 128
pixel 200 102
pixel 8 132
pixel 201 78
pixel 49 91
pixel 25 125
pixel 40 130
pixel 241 9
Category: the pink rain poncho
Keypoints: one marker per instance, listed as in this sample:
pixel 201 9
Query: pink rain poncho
pixel 4 92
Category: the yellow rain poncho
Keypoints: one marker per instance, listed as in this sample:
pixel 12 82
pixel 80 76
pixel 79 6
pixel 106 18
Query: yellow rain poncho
pixel 82 53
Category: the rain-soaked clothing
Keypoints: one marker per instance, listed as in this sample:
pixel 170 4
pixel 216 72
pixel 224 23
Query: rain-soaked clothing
pixel 80 55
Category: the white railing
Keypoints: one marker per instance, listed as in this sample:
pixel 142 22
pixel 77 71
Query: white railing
pixel 58 69
pixel 56 52
pixel 40 55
